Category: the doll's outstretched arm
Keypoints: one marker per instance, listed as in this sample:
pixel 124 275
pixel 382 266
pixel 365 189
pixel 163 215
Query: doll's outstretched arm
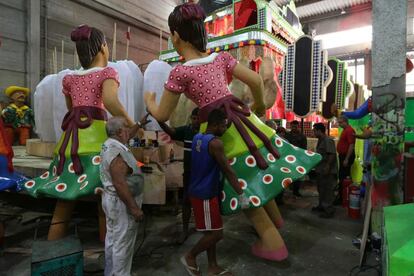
pixel 111 100
pixel 162 112
pixel 255 83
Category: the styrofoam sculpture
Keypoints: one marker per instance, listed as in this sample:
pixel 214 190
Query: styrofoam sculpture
pixel 155 76
pixel 138 95
pixel 43 109
pixel 59 103
pixel 126 87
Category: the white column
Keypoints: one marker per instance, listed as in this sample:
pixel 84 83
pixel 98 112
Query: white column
pixel 388 93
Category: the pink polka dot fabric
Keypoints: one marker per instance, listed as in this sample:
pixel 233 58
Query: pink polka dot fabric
pixel 86 89
pixel 205 83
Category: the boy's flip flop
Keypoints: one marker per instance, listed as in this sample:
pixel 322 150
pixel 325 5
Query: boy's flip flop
pixel 224 272
pixel 190 269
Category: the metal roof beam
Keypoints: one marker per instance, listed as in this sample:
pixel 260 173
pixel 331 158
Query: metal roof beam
pixel 336 13
pixel 305 2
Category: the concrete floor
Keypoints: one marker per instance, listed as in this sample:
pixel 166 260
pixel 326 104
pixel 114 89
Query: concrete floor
pixel 316 246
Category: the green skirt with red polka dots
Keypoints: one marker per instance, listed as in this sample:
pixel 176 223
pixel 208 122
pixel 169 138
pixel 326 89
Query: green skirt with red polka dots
pixel 259 185
pixel 69 185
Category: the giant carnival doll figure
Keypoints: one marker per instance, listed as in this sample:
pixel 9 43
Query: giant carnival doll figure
pixel 18 117
pixel 263 162
pixel 89 93
pixel 9 180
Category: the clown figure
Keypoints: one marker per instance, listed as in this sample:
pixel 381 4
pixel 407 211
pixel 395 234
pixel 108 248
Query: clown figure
pixel 18 117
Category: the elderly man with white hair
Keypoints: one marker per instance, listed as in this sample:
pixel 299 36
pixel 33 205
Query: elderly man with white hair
pixel 122 197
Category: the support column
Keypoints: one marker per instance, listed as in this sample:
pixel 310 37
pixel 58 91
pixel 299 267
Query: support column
pixel 368 70
pixel 33 44
pixel 388 90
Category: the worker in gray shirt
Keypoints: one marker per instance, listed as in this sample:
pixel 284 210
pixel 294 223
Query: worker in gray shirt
pixel 327 172
pixel 298 139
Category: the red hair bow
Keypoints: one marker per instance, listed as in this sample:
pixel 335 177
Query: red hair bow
pixel 83 32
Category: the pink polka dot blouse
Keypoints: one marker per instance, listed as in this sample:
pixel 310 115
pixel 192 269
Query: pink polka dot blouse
pixel 86 89
pixel 204 83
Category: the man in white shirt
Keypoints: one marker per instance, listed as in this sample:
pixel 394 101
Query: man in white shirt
pixel 122 198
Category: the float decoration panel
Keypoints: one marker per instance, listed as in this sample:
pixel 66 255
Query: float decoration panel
pixel 248 22
pixel 305 76
pixel 337 90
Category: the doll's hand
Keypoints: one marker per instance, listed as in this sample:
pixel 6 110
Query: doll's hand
pixel 144 120
pixel 258 108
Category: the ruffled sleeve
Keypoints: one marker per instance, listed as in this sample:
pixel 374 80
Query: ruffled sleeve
pixel 66 85
pixel 176 81
pixel 110 73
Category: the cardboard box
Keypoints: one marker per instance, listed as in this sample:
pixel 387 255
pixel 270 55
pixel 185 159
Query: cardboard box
pixel 154 186
pixel 174 174
pixel 142 153
pixel 159 154
pixel 38 148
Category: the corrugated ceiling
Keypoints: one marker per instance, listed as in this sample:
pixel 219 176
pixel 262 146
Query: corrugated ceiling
pixel 323 6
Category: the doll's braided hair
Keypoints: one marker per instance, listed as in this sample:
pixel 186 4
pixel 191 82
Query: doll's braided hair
pixel 89 42
pixel 188 21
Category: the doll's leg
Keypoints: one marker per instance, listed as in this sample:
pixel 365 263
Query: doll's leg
pixel 61 218
pixel 270 245
pixel 274 214
pixel 24 134
pixel 9 135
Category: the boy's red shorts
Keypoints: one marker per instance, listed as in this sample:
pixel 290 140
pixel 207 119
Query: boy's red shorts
pixel 207 214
